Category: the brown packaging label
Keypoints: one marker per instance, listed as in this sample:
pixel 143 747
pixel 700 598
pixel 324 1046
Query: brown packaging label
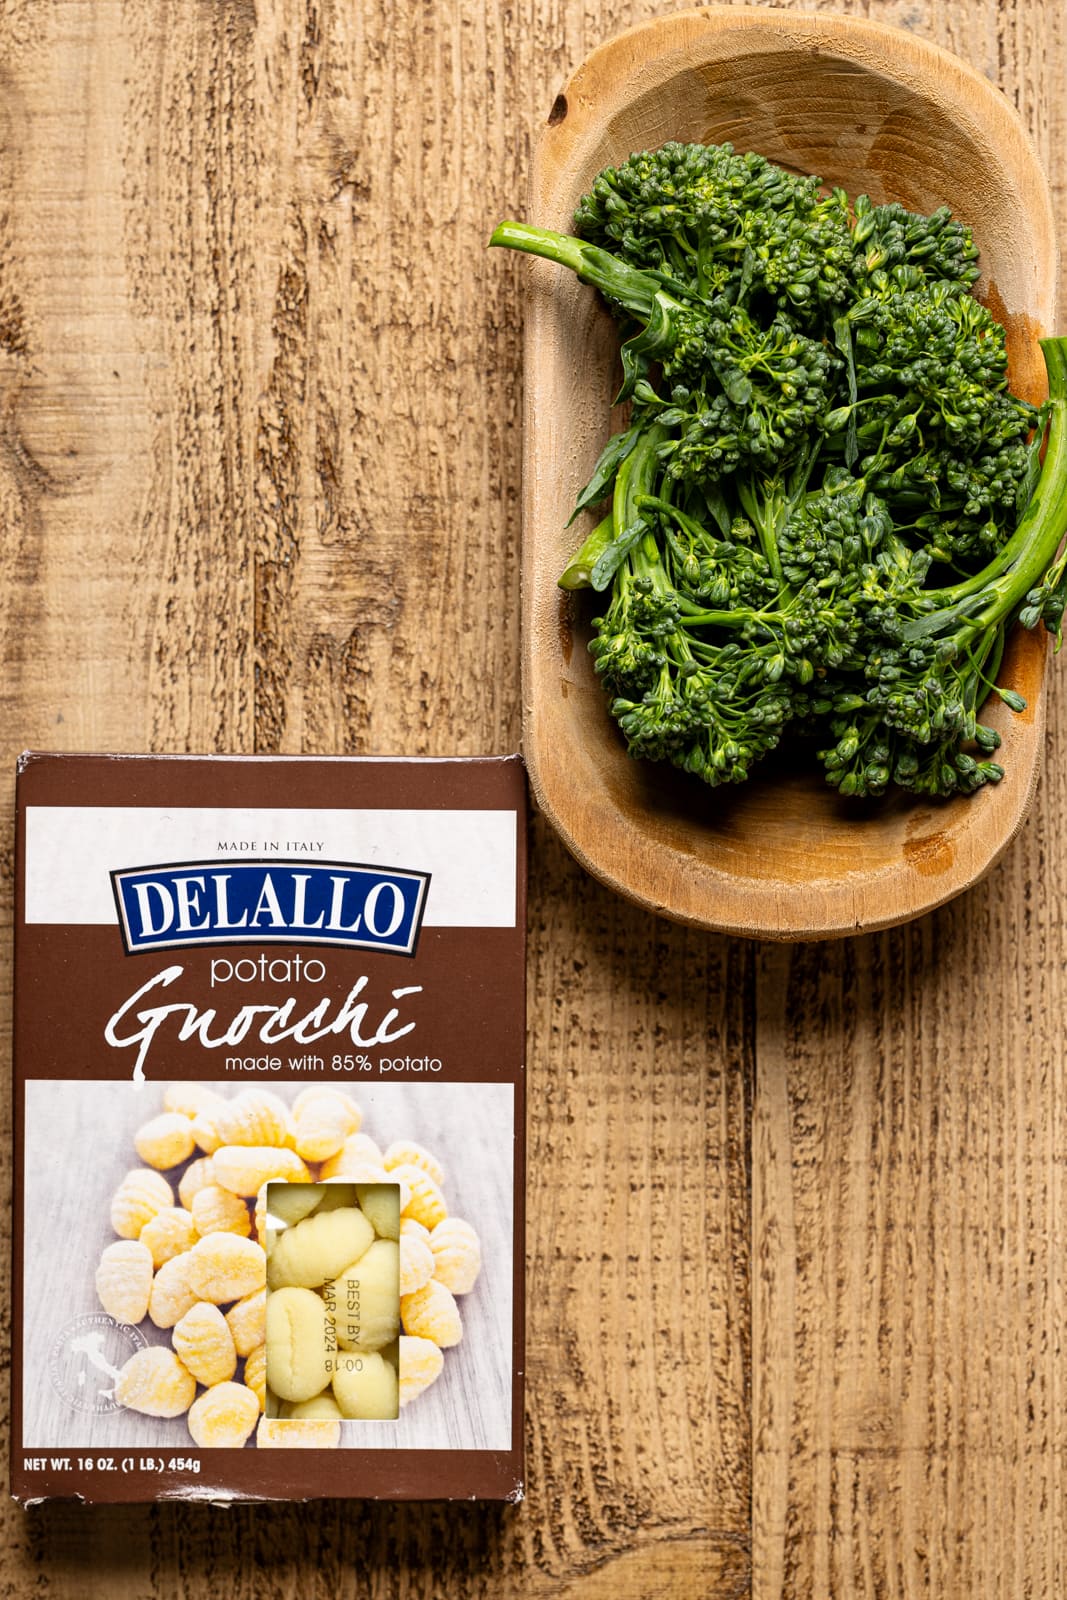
pixel 235 972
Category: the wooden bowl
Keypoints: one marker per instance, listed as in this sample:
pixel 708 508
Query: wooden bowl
pixel 878 111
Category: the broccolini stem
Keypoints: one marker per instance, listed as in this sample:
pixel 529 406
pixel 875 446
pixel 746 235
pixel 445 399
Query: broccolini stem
pixel 578 573
pixel 765 516
pixel 636 477
pixel 624 284
pixel 1030 551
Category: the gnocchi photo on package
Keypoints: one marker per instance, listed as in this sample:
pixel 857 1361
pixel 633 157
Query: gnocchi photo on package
pixel 269 1033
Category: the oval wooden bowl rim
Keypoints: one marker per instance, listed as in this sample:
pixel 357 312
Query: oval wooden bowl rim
pixel 600 87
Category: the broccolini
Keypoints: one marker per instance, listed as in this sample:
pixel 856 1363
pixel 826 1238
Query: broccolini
pixel 827 508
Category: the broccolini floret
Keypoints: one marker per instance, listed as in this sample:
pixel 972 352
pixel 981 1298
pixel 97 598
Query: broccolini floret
pixel 828 508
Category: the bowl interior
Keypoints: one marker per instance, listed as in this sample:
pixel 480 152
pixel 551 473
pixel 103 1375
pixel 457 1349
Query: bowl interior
pixel 813 108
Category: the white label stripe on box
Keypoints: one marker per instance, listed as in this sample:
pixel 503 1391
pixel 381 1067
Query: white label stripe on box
pixel 72 850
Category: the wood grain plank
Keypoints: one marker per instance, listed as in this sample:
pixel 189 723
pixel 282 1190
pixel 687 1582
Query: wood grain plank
pixel 75 590
pixel 908 1145
pixel 306 538
pixel 395 378
pixel 910 1286
pixel 639 1367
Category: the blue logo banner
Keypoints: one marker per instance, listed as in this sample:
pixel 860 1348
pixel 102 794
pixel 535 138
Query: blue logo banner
pixel 270 902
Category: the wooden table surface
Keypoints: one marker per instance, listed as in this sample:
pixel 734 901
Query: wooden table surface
pixel 797 1216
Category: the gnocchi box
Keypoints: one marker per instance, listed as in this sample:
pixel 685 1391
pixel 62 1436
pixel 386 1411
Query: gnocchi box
pixel 268 1047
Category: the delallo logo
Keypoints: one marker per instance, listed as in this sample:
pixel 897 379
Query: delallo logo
pixel 258 902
